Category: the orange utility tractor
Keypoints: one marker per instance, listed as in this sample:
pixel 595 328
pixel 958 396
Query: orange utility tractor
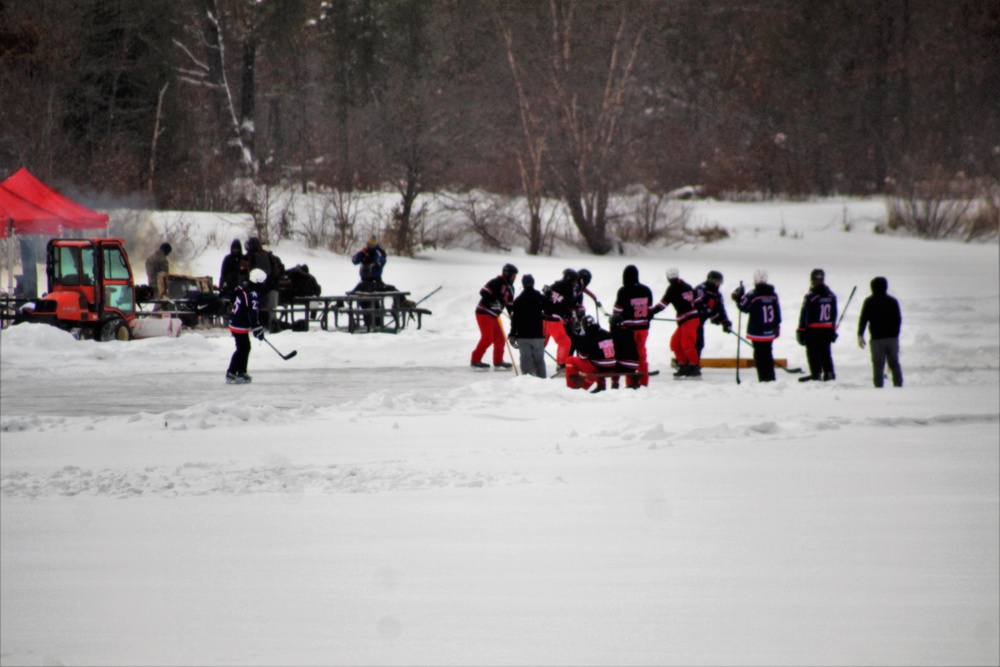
pixel 91 292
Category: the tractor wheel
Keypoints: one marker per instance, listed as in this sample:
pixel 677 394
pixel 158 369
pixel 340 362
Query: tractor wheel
pixel 116 329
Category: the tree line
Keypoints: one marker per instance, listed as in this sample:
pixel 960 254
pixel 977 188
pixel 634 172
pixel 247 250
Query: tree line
pixel 183 101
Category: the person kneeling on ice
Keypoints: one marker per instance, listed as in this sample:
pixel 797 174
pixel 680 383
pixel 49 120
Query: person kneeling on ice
pixel 494 297
pixel 244 319
pixel 595 354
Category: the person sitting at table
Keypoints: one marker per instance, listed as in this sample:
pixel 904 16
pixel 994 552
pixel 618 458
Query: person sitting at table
pixel 372 259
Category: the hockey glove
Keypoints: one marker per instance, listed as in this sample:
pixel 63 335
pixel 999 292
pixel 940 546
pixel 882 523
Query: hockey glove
pixel 258 333
pixel 738 293
pixel 727 326
pixel 513 341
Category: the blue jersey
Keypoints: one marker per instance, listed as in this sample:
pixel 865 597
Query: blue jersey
pixel 819 309
pixel 246 303
pixel 761 303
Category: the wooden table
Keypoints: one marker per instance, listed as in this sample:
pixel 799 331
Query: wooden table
pixel 362 311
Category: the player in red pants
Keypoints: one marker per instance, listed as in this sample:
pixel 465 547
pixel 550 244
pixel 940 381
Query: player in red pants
pixel 684 342
pixel 495 296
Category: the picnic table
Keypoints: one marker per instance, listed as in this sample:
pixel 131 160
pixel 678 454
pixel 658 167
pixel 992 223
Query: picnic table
pixel 386 312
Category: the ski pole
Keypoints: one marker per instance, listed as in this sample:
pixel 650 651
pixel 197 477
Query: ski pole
pixel 286 357
pixel 739 338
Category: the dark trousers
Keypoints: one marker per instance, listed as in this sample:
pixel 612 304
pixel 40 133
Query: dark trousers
pixel 238 363
pixel 886 349
pixel 763 359
pixel 818 353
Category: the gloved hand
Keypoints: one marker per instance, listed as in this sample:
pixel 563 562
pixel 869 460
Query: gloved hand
pixel 738 293
pixel 727 326
pixel 512 339
pixel 598 304
pixel 258 333
pixel 800 337
pixel 861 342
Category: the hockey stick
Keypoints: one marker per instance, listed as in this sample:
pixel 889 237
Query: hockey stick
pixel 739 338
pixel 510 348
pixel 427 297
pixel 844 311
pixel 662 319
pixel 793 371
pixel 286 357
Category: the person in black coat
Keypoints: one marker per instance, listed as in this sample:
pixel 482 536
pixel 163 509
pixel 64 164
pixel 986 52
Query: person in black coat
pixel 527 330
pixel 880 312
pixel 631 316
pixel 229 275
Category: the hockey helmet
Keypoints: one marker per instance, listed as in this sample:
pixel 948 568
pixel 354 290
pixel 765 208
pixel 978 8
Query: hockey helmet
pixel 759 276
pixel 589 322
pixel 673 273
pixel 585 276
pixel 570 275
pixel 715 277
pixel 509 272
pixel 818 274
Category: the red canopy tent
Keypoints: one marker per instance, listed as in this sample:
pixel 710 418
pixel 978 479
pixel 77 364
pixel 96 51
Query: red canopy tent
pixel 28 206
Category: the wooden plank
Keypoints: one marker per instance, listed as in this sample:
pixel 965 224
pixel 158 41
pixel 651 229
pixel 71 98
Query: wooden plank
pixel 745 362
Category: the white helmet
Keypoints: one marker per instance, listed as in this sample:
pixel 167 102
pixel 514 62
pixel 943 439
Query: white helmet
pixel 673 272
pixel 258 276
pixel 759 276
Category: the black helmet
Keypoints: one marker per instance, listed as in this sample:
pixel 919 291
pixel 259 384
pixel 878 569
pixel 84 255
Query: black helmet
pixel 585 276
pixel 589 322
pixel 570 275
pixel 817 274
pixel 715 277
pixel 528 281
pixel 508 273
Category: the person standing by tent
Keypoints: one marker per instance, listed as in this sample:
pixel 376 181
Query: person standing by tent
pixel 244 320
pixel 881 312
pixel 684 341
pixel 157 264
pixel 527 328
pixel 229 274
pixel 711 307
pixel 764 323
pixel 818 327
pixel 495 296
pixel 631 314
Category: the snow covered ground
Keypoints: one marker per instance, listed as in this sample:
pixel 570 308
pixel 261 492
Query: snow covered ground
pixel 374 501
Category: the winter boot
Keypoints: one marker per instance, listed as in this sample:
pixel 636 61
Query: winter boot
pixel 598 389
pixel 503 366
pixel 683 370
pixel 479 364
pixel 827 377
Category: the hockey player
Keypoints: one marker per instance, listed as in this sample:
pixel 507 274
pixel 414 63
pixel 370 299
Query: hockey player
pixel 563 307
pixel 818 327
pixel 495 296
pixel 632 312
pixel 244 319
pixel 527 328
pixel 881 312
pixel 595 354
pixel 711 307
pixel 585 276
pixel 764 324
pixel 684 342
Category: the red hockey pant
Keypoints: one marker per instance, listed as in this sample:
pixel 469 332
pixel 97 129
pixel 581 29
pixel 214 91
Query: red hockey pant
pixel 684 342
pixel 640 336
pixel 557 331
pixel 576 365
pixel 490 333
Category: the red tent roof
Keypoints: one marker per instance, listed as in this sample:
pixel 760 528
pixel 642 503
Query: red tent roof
pixel 71 215
pixel 25 216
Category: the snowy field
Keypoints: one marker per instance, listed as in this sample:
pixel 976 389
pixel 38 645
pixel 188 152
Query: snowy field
pixel 373 501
